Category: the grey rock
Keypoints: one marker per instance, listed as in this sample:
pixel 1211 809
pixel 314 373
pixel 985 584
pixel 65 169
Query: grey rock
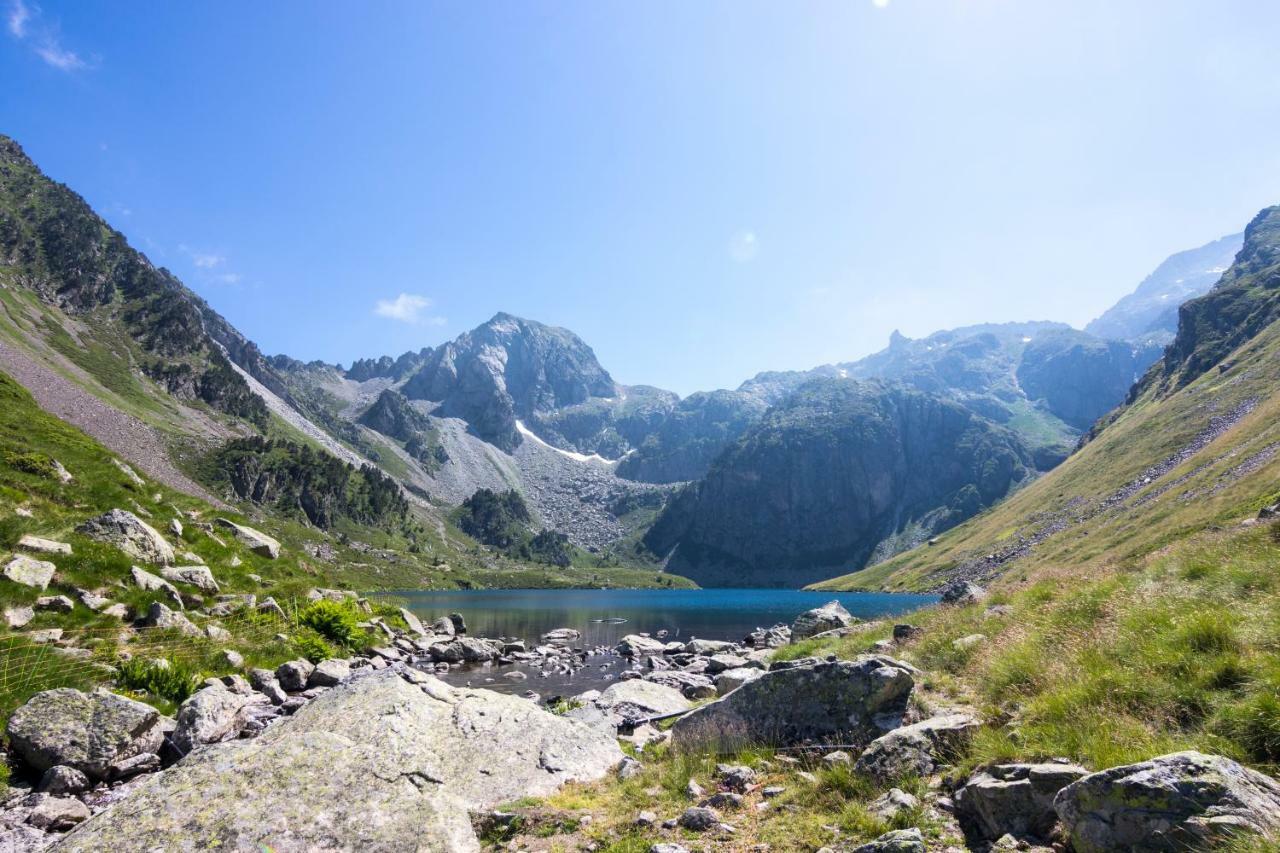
pixel 699 819
pixel 629 768
pixel 414 623
pixel 61 780
pixel 732 679
pixel 691 684
pixel 1185 800
pixel 723 662
pixel 18 615
pixel 634 700
pixel 329 673
pixel 29 571
pixel 859 699
pixel 212 715
pixel 130 534
pixel 769 638
pixel 668 848
pixel 892 803
pixel 897 841
pixel 465 650
pixel 293 674
pixel 143 579
pixel 159 616
pixel 916 750
pixel 828 617
pixel 198 576
pixel 443 626
pixel 459 623
pixel 389 764
pixel 963 592
pixel 255 540
pixel 735 777
pixel 562 636
pixel 56 603
pixel 636 646
pixel 58 813
pixel 232 658
pixel 84 731
pixel 706 648
pixel 1015 799
pixel 903 632
pixel 27 542
pixel 143 762
pixel 266 683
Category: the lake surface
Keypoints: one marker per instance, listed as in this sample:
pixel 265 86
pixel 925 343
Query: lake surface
pixel 712 614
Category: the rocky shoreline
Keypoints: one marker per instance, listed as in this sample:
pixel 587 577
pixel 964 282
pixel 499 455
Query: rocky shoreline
pixel 374 752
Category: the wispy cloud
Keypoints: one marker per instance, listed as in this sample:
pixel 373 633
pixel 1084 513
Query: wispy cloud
pixel 229 277
pixel 744 246
pixel 202 260
pixel 25 24
pixel 407 308
pixel 19 15
pixel 880 4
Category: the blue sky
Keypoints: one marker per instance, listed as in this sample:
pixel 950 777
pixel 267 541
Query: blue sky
pixel 701 190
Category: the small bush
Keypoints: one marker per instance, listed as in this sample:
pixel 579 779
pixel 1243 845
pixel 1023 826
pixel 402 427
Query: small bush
pixel 32 463
pixel 161 678
pixel 311 646
pixel 335 621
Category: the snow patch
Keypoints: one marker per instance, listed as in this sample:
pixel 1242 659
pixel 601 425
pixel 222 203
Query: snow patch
pixel 577 457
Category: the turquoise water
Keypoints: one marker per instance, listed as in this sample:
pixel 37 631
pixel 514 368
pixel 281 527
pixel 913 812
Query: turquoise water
pixel 714 614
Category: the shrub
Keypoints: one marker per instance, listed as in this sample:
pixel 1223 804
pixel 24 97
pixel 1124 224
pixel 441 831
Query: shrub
pixel 311 646
pixel 335 621
pixel 162 678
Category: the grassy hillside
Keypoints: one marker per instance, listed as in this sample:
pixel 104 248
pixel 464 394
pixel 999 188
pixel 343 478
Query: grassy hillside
pixel 1207 455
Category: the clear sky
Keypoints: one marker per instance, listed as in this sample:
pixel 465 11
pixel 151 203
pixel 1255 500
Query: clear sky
pixel 702 190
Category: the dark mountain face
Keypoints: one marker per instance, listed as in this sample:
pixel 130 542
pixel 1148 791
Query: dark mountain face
pixel 1151 311
pixel 837 473
pixel 1080 377
pixel 1244 302
pixel 684 444
pixel 506 369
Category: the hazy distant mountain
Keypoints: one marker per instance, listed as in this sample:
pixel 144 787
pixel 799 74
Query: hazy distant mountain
pixel 1152 309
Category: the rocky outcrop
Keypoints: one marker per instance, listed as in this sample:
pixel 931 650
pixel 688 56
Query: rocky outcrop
pixel 87 732
pixel 130 534
pixel 27 542
pixel 635 699
pixel 388 761
pixel 255 540
pixel 1186 800
pixel 828 617
pixel 1079 377
pixel 1013 799
pixel 859 700
pixel 916 750
pixel 198 576
pixel 897 841
pixel 213 714
pixel 29 571
pixel 832 476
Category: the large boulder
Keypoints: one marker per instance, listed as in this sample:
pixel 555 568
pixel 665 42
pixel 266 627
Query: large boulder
pixel 857 700
pixel 915 750
pixel 624 702
pixel 130 534
pixel 213 714
pixel 466 650
pixel 898 841
pixel 255 540
pixel 84 731
pixel 29 571
pixel 159 616
pixel 693 685
pixel 1013 799
pixel 828 617
pixel 963 592
pixel 637 646
pixel 1182 801
pixel 378 763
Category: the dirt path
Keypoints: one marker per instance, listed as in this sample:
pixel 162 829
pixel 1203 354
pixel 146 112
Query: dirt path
pixel 134 441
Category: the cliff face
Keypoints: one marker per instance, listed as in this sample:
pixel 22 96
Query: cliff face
pixel 685 443
pixel 506 369
pixel 838 473
pixel 1243 303
pixel 1080 377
